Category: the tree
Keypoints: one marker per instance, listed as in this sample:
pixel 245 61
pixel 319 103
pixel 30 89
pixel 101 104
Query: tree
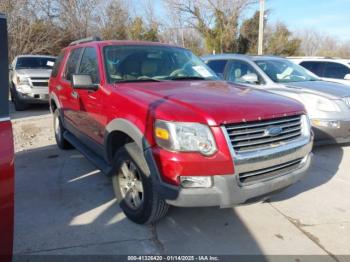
pixel 315 43
pixel 114 21
pixel 281 42
pixel 216 20
pixel 249 35
pixel 138 31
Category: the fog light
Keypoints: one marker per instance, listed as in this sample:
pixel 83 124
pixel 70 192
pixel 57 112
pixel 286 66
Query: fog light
pixel 326 123
pixel 196 181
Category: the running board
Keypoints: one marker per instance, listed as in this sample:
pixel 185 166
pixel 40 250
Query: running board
pixel 99 162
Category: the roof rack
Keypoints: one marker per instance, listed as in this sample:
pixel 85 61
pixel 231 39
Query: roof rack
pixel 86 40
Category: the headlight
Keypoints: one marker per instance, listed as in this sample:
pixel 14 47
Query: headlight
pixel 306 126
pixel 318 103
pixel 22 80
pixel 184 137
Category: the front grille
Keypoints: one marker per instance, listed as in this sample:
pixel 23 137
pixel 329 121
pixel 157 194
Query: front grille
pixel 40 81
pixel 254 135
pixel 270 172
pixel 347 100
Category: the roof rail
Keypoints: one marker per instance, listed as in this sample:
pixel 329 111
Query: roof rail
pixel 86 40
pixel 312 57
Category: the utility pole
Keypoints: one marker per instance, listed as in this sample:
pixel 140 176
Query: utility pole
pixel 261 27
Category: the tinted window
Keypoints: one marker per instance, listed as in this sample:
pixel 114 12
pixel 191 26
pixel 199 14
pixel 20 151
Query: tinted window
pixel 73 60
pixel 88 64
pixel 335 70
pixel 35 63
pixel 238 70
pixel 218 66
pixel 57 65
pixel 314 67
pixel 153 63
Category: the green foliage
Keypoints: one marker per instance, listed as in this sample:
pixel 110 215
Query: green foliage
pixel 249 35
pixel 138 31
pixel 281 42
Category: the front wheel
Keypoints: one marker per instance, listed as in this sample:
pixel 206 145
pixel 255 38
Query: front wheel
pixel 135 188
pixel 19 104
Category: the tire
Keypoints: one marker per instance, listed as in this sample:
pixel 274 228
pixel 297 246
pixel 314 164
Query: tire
pixel 61 142
pixel 19 104
pixel 140 185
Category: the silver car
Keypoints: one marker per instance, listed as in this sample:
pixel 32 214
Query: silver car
pixel 29 77
pixel 327 103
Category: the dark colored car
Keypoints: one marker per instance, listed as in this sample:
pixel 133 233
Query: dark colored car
pixel 6 154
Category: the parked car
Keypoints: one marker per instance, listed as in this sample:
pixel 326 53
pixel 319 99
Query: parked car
pixel 327 103
pixel 6 154
pixel 157 120
pixel 328 69
pixel 29 76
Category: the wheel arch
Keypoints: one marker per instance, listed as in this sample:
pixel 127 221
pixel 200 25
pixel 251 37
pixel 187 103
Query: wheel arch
pixel 54 103
pixel 118 133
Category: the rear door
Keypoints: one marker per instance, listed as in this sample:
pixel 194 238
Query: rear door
pixel 218 66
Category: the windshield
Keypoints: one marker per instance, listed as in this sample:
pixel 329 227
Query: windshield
pixel 284 71
pixel 153 63
pixel 35 62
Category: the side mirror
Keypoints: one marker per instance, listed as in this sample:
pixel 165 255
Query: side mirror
pixel 83 81
pixel 347 77
pixel 250 78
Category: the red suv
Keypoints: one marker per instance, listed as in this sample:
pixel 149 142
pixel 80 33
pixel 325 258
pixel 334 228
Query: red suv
pixel 157 120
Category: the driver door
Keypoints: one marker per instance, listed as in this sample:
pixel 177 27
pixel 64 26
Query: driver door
pixel 90 101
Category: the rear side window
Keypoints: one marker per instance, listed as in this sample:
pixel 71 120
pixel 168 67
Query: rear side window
pixel 335 70
pixel 89 65
pixel 218 66
pixel 72 64
pixel 57 65
pixel 314 67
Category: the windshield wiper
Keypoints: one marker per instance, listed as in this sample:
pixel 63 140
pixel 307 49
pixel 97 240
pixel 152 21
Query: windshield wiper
pixel 187 78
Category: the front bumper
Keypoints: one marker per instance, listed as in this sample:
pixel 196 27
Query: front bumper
pixel 331 135
pixel 227 191
pixel 35 96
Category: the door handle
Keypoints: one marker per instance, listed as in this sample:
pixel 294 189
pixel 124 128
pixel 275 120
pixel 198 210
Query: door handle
pixel 74 94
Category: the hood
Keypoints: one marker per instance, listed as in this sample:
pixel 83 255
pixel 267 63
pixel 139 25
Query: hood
pixel 34 72
pixel 210 102
pixel 329 89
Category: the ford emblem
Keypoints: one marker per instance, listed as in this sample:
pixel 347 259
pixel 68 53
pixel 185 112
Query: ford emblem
pixel 273 131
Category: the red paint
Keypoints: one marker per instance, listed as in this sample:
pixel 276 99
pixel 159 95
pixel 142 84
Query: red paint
pixel 6 190
pixel 209 102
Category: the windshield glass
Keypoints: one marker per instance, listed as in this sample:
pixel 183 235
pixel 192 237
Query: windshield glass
pixel 153 63
pixel 284 71
pixel 35 62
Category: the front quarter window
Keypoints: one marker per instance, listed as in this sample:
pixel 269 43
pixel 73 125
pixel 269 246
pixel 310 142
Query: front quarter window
pixel 153 63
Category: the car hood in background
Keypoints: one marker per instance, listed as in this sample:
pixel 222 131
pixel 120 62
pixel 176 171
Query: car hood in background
pixel 329 89
pixel 34 72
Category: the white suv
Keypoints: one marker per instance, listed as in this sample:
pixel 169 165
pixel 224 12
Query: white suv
pixel 329 69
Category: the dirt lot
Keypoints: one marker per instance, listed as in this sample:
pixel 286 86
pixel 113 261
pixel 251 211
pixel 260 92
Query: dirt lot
pixel 65 206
